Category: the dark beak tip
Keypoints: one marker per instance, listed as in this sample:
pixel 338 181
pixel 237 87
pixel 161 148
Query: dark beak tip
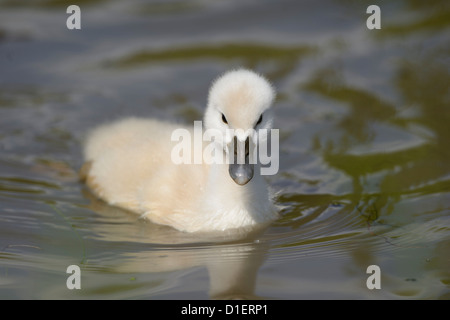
pixel 241 174
pixel 241 181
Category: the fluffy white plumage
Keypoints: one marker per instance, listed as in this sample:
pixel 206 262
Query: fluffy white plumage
pixel 128 164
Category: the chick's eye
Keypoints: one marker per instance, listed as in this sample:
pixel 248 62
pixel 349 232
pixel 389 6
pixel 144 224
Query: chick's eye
pixel 224 119
pixel 259 120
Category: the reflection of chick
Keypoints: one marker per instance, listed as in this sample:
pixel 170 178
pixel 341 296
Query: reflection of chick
pixel 161 253
pixel 128 164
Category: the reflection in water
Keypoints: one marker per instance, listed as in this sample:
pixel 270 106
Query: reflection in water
pixel 232 258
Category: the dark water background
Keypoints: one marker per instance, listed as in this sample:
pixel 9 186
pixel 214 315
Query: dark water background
pixel 364 117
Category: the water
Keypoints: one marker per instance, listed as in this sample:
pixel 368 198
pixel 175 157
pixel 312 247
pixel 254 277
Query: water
pixel 364 175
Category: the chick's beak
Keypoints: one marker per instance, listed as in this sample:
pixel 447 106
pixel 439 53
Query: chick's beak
pixel 240 168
